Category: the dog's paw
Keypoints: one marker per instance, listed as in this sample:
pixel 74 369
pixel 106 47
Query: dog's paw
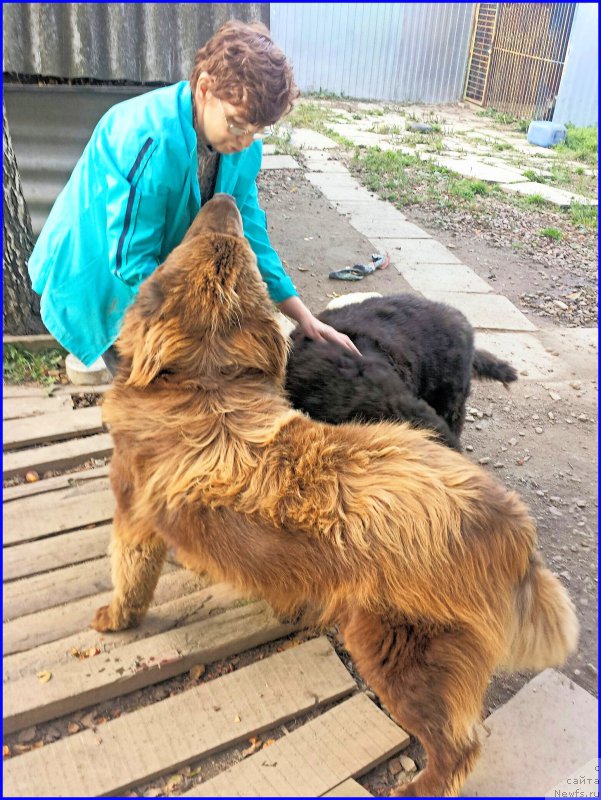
pixel 103 620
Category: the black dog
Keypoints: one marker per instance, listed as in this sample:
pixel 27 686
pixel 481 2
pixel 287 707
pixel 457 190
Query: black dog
pixel 418 361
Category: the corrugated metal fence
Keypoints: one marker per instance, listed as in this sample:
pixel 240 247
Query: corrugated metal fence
pixel 577 100
pixel 414 52
pixel 141 42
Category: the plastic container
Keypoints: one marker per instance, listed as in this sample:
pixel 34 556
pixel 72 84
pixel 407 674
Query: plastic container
pixel 546 134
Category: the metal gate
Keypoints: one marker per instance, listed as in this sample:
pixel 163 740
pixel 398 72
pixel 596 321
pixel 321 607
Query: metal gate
pixel 517 55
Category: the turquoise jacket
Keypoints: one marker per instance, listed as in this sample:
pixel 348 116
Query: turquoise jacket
pixel 131 198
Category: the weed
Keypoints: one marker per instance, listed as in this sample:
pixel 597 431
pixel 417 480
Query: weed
pixel 21 365
pixel 586 216
pixel 534 176
pixel 281 138
pixel 551 233
pixel 536 200
pixel 581 144
pixel 468 189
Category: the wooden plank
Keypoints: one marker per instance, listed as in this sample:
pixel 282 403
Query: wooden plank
pixel 348 788
pixel 72 388
pixel 10 390
pixel 57 456
pixel 174 732
pixel 12 493
pixel 54 427
pixel 198 605
pixel 60 622
pixel 56 588
pixel 21 407
pixel 34 558
pixel 345 742
pixel 85 683
pixel 57 512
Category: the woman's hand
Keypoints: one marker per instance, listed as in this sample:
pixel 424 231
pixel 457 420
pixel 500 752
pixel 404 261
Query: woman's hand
pixel 320 332
pixel 312 327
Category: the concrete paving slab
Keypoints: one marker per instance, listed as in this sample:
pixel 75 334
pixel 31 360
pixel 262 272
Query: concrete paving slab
pixel 325 165
pixel 279 162
pixel 358 136
pixel 545 734
pixel 444 278
pixel 560 197
pixel 524 351
pixel 305 138
pixel 471 167
pixel 408 252
pixel 269 149
pixel 373 207
pixel 338 187
pixel 388 227
pixel 488 311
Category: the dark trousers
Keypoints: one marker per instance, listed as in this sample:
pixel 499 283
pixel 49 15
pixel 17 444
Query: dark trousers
pixel 111 359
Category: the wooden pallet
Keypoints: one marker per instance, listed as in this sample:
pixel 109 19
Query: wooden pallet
pixel 56 573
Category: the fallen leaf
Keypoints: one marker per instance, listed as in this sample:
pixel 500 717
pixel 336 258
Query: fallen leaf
pixel 38 744
pixel 74 651
pixel 32 476
pixel 173 782
pixel 93 651
pixel 237 718
pixel 197 672
pixel 303 269
pixel 44 676
pixel 268 743
pixel 73 727
pixel 5 751
pixel 255 744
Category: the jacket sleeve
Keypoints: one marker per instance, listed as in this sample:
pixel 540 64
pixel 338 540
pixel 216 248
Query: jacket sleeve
pixel 279 284
pixel 135 215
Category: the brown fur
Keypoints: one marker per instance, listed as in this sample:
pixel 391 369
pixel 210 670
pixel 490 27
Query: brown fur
pixel 422 558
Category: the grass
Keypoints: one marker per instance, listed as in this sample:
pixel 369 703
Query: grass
pixel 581 144
pixel 309 115
pixel 585 216
pixel 551 233
pixel 534 176
pixel 468 189
pixel 23 366
pixel 392 130
pixel 281 139
pixel 536 200
pixel 504 118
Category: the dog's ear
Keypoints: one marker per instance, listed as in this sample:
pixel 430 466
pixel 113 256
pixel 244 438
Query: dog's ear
pixel 145 337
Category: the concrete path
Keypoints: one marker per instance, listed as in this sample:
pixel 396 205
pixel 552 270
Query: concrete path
pixel 435 271
pixel 545 738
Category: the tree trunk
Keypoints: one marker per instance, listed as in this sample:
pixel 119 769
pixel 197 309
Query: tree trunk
pixel 21 306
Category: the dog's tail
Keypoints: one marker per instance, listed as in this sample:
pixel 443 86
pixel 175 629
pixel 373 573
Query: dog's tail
pixel 485 366
pixel 544 628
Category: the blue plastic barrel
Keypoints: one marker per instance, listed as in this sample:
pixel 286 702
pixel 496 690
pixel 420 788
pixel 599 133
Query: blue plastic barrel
pixel 546 134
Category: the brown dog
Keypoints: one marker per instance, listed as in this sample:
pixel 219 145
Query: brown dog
pixel 425 561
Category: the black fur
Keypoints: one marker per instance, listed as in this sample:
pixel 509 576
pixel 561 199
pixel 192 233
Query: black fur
pixel 418 360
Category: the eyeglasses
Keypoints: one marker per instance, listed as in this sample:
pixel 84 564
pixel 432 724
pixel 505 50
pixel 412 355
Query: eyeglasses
pixel 237 131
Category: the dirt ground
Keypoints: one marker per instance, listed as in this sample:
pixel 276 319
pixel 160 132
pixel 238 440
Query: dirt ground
pixel 555 471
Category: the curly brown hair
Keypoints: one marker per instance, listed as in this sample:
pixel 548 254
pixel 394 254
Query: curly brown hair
pixel 248 70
